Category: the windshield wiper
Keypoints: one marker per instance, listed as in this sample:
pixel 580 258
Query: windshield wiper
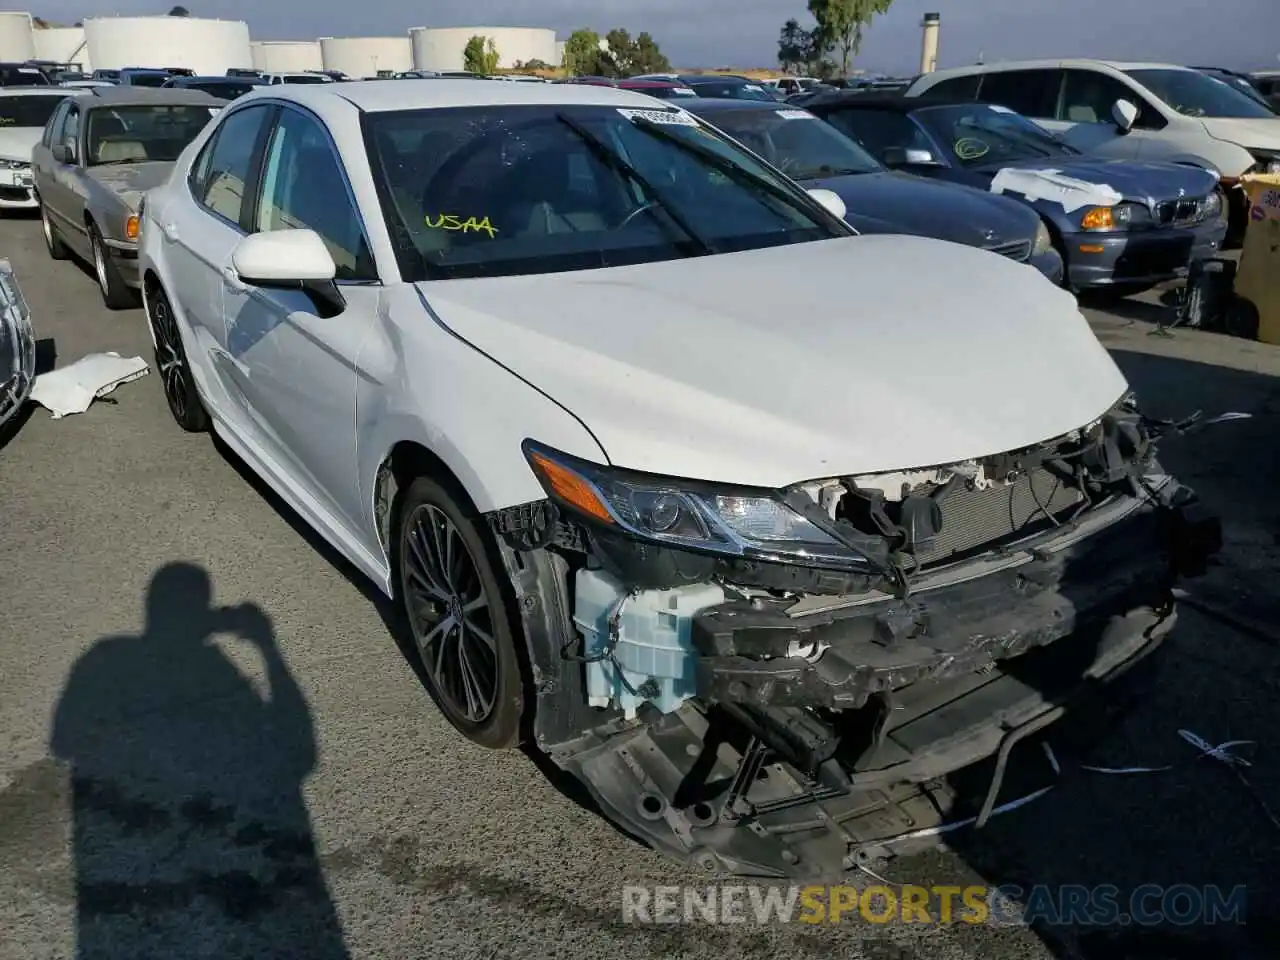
pixel 615 161
pixel 737 174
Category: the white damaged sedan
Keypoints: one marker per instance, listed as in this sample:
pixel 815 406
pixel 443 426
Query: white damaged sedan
pixel 758 527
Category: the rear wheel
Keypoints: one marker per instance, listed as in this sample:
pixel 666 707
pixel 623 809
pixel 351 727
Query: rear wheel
pixel 454 604
pixel 53 243
pixel 116 294
pixel 171 363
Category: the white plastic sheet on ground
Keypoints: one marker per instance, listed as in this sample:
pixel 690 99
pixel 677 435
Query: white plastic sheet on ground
pixel 74 387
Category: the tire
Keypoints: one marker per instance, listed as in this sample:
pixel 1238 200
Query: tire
pixel 431 602
pixel 173 367
pixel 116 294
pixel 53 243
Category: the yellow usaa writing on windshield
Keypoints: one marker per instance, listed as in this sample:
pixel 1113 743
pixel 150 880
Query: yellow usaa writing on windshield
pixel 456 222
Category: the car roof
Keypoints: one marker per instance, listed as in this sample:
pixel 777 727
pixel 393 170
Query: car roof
pixel 183 81
pixel 1067 63
pixel 116 96
pixel 380 96
pixel 692 78
pixel 50 91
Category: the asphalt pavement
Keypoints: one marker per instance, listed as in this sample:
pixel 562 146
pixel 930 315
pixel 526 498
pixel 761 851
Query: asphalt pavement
pixel 210 746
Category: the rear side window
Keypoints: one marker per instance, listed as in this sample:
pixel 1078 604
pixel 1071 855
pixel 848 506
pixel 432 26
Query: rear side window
pixel 1032 93
pixel 957 88
pixel 222 175
pixel 879 130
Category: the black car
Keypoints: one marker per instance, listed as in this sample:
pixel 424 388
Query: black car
pixel 725 87
pixel 22 75
pixel 878 200
pixel 1122 225
pixel 1240 81
pixel 224 88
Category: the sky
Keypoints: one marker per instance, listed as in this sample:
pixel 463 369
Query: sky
pixel 743 33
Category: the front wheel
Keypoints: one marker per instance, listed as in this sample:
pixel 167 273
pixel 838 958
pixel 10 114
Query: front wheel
pixel 173 367
pixel 116 294
pixel 454 604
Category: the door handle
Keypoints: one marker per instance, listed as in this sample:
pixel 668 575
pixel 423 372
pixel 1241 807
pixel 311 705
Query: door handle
pixel 232 280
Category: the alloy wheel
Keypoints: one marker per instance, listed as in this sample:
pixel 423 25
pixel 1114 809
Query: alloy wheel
pixel 169 357
pixel 450 614
pixel 47 227
pixel 100 264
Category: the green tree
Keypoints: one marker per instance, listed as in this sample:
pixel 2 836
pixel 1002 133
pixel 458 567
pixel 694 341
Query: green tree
pixel 621 51
pixel 647 57
pixel 581 51
pixel 797 47
pixel 480 55
pixel 534 64
pixel 842 23
pixel 179 12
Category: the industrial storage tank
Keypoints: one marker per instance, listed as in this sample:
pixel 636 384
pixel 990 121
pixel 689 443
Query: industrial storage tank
pixel 286 56
pixel 16 42
pixel 203 45
pixel 63 44
pixel 365 56
pixel 440 48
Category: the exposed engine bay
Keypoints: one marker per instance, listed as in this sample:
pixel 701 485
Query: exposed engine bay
pixel 800 712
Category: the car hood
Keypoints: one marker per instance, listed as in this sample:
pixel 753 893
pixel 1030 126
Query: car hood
pixel 1252 134
pixel 16 143
pixel 768 367
pixel 931 208
pixel 131 180
pixel 1151 181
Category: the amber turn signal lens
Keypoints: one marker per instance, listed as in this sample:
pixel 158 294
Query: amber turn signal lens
pixel 570 488
pixel 131 228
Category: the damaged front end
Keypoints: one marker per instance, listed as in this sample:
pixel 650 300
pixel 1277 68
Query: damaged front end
pixel 779 683
pixel 17 346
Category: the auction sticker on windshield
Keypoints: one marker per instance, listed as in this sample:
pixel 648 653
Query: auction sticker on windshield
pixel 672 117
pixel 795 115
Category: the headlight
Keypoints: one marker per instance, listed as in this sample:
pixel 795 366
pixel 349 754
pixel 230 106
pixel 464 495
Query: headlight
pixel 688 514
pixel 1044 242
pixel 1211 206
pixel 1124 216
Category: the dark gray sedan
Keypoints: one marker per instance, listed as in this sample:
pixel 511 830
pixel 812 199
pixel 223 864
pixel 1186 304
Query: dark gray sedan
pixel 878 200
pixel 100 152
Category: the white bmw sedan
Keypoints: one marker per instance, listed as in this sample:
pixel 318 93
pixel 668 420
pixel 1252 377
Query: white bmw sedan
pixel 753 524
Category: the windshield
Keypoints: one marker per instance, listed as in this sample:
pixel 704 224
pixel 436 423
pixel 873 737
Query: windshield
pixel 22 77
pixel 509 190
pixel 147 79
pixel 1193 94
pixel 32 111
pixel 979 134
pixel 138 134
pixel 734 90
pixel 796 142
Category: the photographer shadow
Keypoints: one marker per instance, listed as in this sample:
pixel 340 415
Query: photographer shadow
pixel 189 823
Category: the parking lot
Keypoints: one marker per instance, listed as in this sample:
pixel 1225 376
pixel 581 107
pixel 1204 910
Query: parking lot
pixel 400 839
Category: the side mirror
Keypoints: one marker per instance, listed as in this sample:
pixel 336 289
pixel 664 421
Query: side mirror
pixel 908 157
pixel 831 200
pixel 290 260
pixel 1125 115
pixel 64 152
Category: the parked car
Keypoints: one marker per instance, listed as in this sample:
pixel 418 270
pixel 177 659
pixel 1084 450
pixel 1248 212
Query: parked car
pixel 110 76
pixel 143 77
pixel 224 88
pixel 17 347
pixel 22 75
pixel 1239 81
pixel 99 153
pixel 662 89
pixel 275 79
pixel 85 84
pixel 243 72
pixel 1131 111
pixel 417 75
pixel 793 85
pixel 1120 225
pixel 24 111
pixel 1267 83
pixel 671 475
pixel 735 88
pixel 876 200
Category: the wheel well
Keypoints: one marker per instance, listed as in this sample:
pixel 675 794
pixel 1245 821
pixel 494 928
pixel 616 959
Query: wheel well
pixel 406 462
pixel 150 282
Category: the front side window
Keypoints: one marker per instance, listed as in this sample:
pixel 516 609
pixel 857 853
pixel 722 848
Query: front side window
pixel 303 187
pixel 32 111
pixel 137 134
pixel 1033 93
pixel 224 168
pixel 979 135
pixel 1088 96
pixel 1192 94
pixel 493 191
pixel 796 142
pixel 53 131
pixel 71 127
pixel 880 131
